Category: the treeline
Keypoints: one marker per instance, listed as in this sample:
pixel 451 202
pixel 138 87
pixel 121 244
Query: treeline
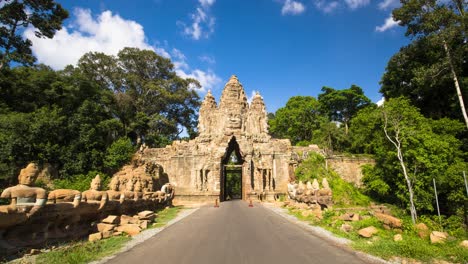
pixel 420 133
pixel 93 116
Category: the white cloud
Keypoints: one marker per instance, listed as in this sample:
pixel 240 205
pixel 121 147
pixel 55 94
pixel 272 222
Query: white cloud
pixel 207 3
pixel 291 7
pixel 208 59
pixel 208 79
pixel 381 101
pixel 354 4
pixel 202 25
pixel 388 24
pixel 108 33
pixel 326 6
pixel 386 4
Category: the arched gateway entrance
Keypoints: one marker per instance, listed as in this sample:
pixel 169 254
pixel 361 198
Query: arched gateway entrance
pixel 233 157
pixel 231 172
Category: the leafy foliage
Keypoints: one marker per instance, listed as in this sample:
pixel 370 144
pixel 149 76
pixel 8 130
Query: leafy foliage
pixel 46 16
pixel 342 105
pixel 119 153
pixel 81 182
pixel 428 70
pixel 297 120
pixel 80 122
pixel 431 149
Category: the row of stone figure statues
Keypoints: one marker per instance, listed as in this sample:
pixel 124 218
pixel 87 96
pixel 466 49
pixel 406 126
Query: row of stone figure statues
pixel 34 215
pixel 311 193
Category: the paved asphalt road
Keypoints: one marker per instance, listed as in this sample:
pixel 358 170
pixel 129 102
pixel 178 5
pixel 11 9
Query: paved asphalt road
pixel 235 233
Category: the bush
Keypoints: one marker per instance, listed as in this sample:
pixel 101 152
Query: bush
pixel 81 182
pixel 119 153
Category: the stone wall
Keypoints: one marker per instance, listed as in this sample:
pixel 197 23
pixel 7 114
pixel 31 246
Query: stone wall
pixel 349 168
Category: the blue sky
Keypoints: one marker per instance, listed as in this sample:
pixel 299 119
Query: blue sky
pixel 280 48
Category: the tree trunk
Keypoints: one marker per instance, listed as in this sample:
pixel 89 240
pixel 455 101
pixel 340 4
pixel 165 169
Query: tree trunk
pixel 457 85
pixel 414 215
pixel 397 143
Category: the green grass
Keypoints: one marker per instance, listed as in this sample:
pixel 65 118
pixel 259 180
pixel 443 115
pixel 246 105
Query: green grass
pixel 413 247
pixel 166 215
pixel 382 244
pixel 84 252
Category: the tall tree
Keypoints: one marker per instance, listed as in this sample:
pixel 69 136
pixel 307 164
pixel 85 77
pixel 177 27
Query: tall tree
pixel 150 99
pixel 342 105
pixel 443 23
pixel 46 16
pixel 410 150
pixel 297 120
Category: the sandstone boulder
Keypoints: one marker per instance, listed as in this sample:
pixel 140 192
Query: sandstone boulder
pixel 145 213
pixel 389 220
pixel 95 237
pixel 125 219
pixel 438 237
pixel 355 218
pixel 107 234
pixel 111 219
pixel 346 228
pixel 368 231
pixel 117 233
pixel 346 217
pixel 464 244
pixel 144 224
pixel 131 229
pixel 103 227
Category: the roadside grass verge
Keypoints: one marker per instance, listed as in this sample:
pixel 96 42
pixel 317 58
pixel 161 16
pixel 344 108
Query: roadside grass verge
pixel 83 251
pixel 382 244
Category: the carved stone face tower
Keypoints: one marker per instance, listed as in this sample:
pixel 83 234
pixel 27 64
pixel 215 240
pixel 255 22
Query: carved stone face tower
pixel 234 116
pixel 199 167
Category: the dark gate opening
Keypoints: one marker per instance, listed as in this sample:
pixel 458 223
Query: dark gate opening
pixel 231 172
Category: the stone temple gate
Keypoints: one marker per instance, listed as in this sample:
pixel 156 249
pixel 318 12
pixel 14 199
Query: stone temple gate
pixel 233 138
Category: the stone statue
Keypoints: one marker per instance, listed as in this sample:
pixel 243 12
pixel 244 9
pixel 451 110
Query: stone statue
pixel 113 194
pixel 94 194
pixel 292 188
pixel 138 190
pixel 24 197
pixel 315 185
pixel 129 192
pixel 169 191
pixel 326 188
pixel 65 195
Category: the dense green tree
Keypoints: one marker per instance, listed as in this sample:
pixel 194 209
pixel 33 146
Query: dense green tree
pixel 46 16
pixel 52 117
pixel 410 150
pixel 150 100
pixel 440 25
pixel 297 120
pixel 119 153
pixel 342 105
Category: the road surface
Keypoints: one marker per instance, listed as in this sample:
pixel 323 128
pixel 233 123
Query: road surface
pixel 235 233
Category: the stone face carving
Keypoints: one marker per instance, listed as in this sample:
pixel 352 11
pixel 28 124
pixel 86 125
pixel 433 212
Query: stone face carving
pixel 310 193
pixel 233 126
pixel 24 197
pixel 94 194
pixel 113 193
